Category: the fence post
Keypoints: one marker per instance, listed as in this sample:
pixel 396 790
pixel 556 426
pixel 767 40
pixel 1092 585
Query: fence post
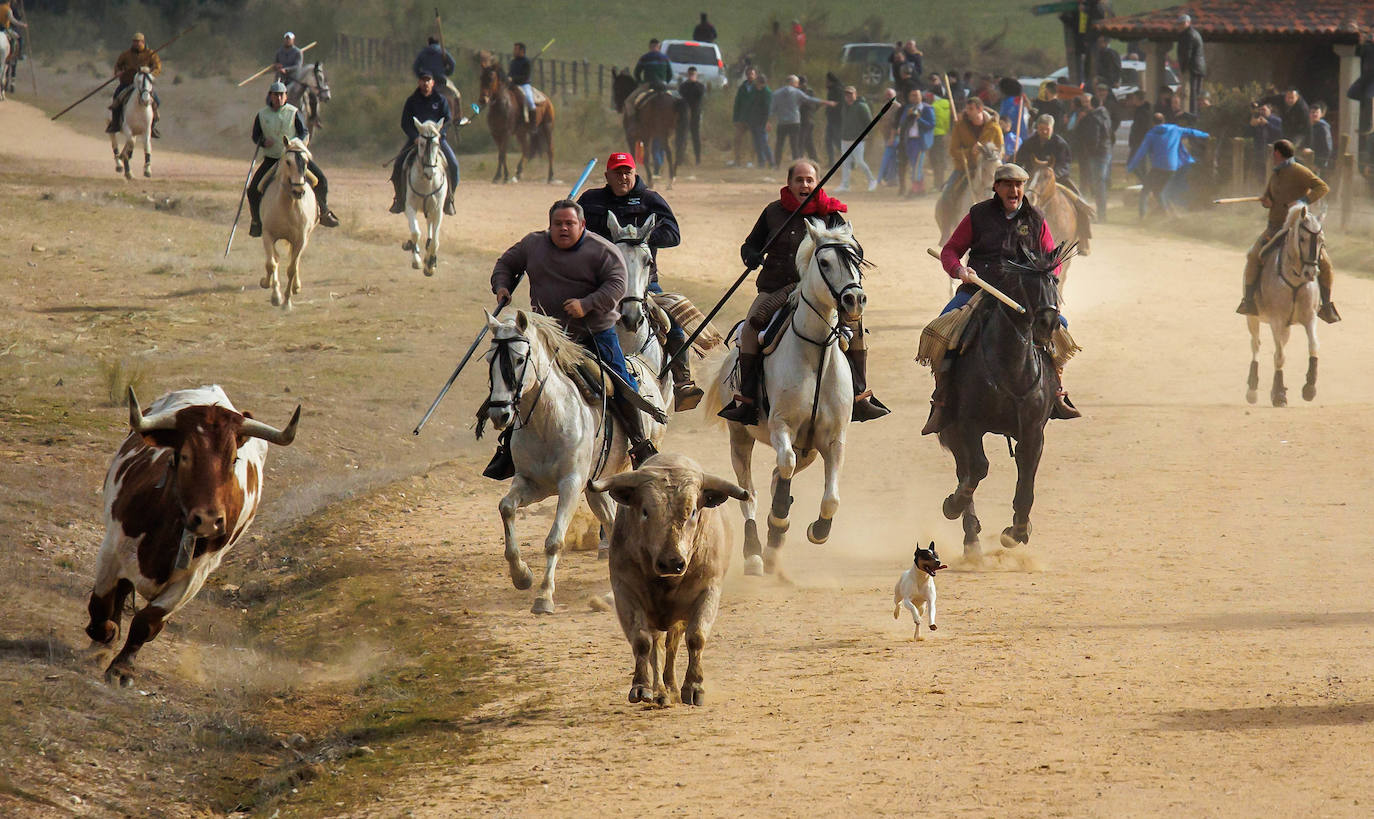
pixel 574 84
pixel 600 79
pixel 539 66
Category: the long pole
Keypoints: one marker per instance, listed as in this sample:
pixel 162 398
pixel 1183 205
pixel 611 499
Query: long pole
pixel 1020 117
pixel 975 279
pixel 265 69
pixel 439 24
pixel 112 79
pixel 949 94
pixel 500 305
pixel 239 212
pixel 858 143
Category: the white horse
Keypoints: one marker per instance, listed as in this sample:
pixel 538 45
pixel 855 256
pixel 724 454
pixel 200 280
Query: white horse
pixel 808 387
pixel 559 439
pixel 1288 295
pixel 137 122
pixel 643 352
pixel 426 191
pixel 307 89
pixel 6 77
pixel 289 214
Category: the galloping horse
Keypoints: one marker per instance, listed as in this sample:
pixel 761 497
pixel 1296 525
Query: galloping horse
pixel 1061 212
pixel 808 390
pixel 7 68
pixel 956 199
pixel 652 119
pixel 560 439
pixel 1005 383
pixel 308 90
pixel 426 189
pixel 1288 295
pixel 506 116
pixel 138 122
pixel 643 352
pixel 289 213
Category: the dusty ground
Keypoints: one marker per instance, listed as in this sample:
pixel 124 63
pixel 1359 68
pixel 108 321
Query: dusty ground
pixel 1187 633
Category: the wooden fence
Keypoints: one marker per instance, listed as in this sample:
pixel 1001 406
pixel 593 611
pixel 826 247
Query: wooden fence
pixel 374 56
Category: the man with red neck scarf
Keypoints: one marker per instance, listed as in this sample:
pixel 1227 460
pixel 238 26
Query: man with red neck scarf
pixel 778 277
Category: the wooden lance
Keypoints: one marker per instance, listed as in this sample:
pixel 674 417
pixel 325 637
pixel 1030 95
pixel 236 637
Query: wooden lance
pixel 265 69
pixel 112 79
pixel 975 279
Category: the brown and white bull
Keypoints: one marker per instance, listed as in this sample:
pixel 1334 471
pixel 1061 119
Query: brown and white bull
pixel 180 492
pixel 669 553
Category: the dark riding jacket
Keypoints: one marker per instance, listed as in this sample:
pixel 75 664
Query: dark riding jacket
pixel 1054 150
pixel 779 267
pixel 518 73
pixel 426 109
pixel 436 60
pixel 632 209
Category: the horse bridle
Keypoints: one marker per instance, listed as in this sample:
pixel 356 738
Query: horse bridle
pixel 143 84
pixel 300 156
pixel 431 147
pixel 848 254
pixel 639 242
pixel 516 385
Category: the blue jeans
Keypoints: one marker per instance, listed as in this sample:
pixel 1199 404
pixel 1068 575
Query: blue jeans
pixel 676 335
pixel 451 158
pixel 966 291
pixel 606 345
pixel 761 149
pixel 1097 176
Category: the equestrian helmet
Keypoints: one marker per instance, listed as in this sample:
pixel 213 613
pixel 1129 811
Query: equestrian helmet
pixel 1010 172
pixel 276 88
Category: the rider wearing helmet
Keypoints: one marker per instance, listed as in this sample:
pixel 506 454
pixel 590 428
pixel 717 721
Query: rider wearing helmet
pixel 274 126
pixel 126 67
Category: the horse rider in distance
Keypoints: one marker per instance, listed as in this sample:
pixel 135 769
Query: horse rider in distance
pixel 275 125
pixel 126 67
pixel 626 195
pixel 576 278
pixel 288 58
pixel 518 76
pixel 974 126
pixel 653 72
pixel 425 105
pixel 778 276
pixel 9 27
pixel 1006 227
pixel 435 59
pixel 1289 184
pixel 1047 146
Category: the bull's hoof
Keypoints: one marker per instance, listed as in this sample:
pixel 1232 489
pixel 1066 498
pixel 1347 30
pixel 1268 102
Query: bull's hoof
pixel 819 530
pixel 753 566
pixel 1012 537
pixel 1252 396
pixel 1309 391
pixel 661 698
pixel 542 605
pixel 693 694
pixel 641 693
pixel 522 577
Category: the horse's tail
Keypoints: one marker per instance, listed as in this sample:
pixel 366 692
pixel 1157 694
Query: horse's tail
pixel 680 138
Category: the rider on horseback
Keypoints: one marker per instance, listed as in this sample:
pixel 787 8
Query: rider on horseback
pixel 273 127
pixel 1048 147
pixel 777 278
pixel 652 73
pixel 425 105
pixel 126 68
pixel 578 279
pixel 9 26
pixel 1290 183
pixel 632 202
pixel 518 75
pixel 288 58
pixel 1003 228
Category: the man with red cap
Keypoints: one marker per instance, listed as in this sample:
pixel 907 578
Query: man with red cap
pixel 632 202
pixel 778 276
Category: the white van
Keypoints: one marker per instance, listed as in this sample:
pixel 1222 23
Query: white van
pixel 704 57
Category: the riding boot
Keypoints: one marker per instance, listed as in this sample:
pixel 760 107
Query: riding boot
pixel 156 134
pixel 502 466
pixel 1248 307
pixel 744 408
pixel 327 217
pixel 866 405
pixel 1327 313
pixel 939 399
pixel 641 448
pixel 686 394
pixel 398 184
pixel 1063 409
pixel 255 217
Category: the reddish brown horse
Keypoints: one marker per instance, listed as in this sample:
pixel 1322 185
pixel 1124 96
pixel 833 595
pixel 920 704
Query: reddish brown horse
pixel 654 118
pixel 505 107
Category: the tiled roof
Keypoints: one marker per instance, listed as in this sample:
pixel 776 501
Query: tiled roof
pixel 1239 20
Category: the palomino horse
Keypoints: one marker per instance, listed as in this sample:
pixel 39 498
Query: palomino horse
pixel 966 190
pixel 506 116
pixel 1005 384
pixel 643 352
pixel 426 189
pixel 1066 220
pixel 560 441
pixel 808 390
pixel 308 90
pixel 289 214
pixel 138 122
pixel 1287 296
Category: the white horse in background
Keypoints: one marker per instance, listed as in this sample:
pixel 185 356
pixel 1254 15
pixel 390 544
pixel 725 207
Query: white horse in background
pixel 138 122
pixel 1288 295
pixel 559 438
pixel 5 67
pixel 643 352
pixel 289 214
pixel 308 89
pixel 426 192
pixel 806 377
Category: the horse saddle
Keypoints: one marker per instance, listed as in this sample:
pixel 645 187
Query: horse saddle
pixel 643 94
pixel 122 97
pixel 537 97
pixel 594 381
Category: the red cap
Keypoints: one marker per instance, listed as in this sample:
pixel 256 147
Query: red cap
pixel 619 160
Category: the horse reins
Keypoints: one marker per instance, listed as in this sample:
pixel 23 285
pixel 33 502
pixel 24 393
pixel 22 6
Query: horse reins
pixel 431 146
pixel 517 385
pixel 845 252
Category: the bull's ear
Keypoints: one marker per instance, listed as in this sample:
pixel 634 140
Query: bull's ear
pixel 623 488
pixel 715 491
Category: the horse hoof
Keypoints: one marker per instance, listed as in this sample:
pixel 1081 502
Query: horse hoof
pixel 1309 392
pixel 429 271
pixel 692 694
pixel 542 605
pixel 1279 399
pixel 1010 538
pixel 770 561
pixel 819 530
pixel 407 245
pixel 415 265
pixel 522 578
pixel 753 566
pixel 640 693
pixel 276 299
pixel 265 282
pixel 1252 396
pixel 147 174
pixel 953 507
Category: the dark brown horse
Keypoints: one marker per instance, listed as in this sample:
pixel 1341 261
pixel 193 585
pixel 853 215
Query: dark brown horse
pixel 650 117
pixel 505 108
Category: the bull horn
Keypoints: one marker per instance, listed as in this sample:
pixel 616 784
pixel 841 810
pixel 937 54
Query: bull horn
pixel 713 483
pixel 138 423
pixel 281 437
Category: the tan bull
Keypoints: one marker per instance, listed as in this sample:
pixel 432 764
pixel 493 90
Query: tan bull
pixel 669 552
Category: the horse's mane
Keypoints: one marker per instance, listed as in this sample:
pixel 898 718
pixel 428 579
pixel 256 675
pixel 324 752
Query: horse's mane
pixel 1042 262
pixel 843 235
pixel 567 354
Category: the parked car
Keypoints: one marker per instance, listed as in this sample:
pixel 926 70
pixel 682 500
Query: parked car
pixel 704 57
pixel 1131 72
pixel 866 65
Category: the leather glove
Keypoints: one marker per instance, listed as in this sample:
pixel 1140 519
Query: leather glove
pixel 751 257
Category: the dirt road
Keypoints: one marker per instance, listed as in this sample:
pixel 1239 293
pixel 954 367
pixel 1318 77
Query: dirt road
pixel 1188 631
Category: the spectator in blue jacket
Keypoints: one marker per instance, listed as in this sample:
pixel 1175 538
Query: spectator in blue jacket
pixel 1163 147
pixel 916 133
pixel 1265 129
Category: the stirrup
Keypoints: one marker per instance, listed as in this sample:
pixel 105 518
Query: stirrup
pixel 1063 409
pixel 449 208
pixel 741 412
pixel 397 206
pixel 502 466
pixel 867 407
pixel 641 452
pixel 1247 307
pixel 1328 313
pixel 686 396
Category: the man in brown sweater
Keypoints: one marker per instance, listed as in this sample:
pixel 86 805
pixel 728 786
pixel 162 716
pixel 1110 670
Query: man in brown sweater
pixel 1288 184
pixel 137 56
pixel 578 279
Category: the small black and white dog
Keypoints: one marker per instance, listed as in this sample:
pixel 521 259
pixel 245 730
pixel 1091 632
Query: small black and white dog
pixel 917 588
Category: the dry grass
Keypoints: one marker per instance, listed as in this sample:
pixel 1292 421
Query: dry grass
pixel 118 375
